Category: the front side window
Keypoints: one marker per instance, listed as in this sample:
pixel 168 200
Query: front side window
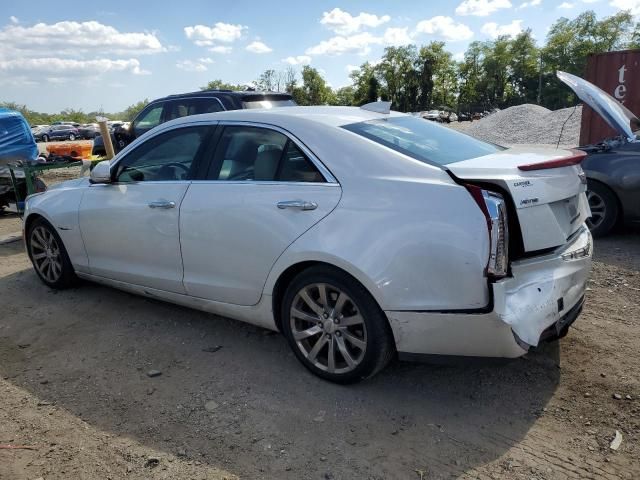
pixel 169 156
pixel 423 140
pixel 260 154
pixel 147 120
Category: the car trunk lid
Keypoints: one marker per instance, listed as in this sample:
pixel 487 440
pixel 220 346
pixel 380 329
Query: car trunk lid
pixel 546 186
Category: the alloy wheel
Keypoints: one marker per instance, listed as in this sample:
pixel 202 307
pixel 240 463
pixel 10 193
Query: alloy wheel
pixel 327 328
pixel 46 254
pixel 598 209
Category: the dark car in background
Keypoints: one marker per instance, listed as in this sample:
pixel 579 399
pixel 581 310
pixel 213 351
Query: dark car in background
pixel 612 167
pixel 89 131
pixel 57 132
pixel 185 104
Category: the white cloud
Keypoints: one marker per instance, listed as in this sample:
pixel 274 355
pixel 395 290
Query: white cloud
pixel 202 35
pixel 258 47
pixel 14 20
pixel 298 60
pixel 633 5
pixel 221 49
pixel 75 38
pixel 343 23
pixel 566 5
pixel 192 66
pixel 65 67
pixel 458 57
pixel 396 36
pixel 494 30
pixel 351 68
pixel 532 3
pixel 206 60
pixel 444 27
pixel 359 43
pixel 481 8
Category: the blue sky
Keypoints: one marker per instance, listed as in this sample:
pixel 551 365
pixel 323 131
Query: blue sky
pixel 82 57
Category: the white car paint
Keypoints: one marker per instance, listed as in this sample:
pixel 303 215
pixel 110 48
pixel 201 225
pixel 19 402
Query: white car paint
pixel 406 230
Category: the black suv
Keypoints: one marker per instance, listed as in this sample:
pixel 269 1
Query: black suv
pixel 184 104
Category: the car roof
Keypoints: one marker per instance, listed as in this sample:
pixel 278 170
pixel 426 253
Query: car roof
pixel 216 93
pixel 332 116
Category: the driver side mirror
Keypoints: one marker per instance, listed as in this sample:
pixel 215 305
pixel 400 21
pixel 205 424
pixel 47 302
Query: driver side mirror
pixel 101 173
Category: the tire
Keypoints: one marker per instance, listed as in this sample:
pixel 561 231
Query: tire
pixel 45 138
pixel 42 239
pixel 358 333
pixel 604 208
pixel 72 137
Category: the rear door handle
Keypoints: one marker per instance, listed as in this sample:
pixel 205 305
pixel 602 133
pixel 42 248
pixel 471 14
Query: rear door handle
pixel 297 205
pixel 163 204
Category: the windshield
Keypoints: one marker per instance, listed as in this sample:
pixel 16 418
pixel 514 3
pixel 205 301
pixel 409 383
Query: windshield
pixel 269 103
pixel 423 140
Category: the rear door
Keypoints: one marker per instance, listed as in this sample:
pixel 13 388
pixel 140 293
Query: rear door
pixel 262 191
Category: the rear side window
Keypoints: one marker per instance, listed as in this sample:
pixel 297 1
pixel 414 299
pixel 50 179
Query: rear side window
pixel 423 140
pixel 260 154
pixel 191 106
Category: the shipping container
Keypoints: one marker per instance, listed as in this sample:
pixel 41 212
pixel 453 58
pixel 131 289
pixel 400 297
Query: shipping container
pixel 618 74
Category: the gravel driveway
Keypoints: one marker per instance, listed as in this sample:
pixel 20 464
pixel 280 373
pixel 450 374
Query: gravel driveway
pixel 232 401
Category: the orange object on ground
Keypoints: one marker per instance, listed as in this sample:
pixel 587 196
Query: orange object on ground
pixel 80 150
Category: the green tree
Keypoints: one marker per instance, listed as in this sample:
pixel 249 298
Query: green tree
pixel 344 96
pixel 220 85
pixel 131 111
pixel 314 89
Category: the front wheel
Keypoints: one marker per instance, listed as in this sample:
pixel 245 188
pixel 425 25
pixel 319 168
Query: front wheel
pixel 72 137
pixel 335 327
pixel 604 208
pixel 48 255
pixel 45 138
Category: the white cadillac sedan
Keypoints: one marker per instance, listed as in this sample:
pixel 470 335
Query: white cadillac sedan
pixel 358 233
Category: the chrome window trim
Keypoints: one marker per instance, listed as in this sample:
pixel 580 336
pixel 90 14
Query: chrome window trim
pixel 324 171
pixel 159 130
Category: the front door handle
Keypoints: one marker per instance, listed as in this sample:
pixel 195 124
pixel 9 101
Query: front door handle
pixel 297 205
pixel 163 204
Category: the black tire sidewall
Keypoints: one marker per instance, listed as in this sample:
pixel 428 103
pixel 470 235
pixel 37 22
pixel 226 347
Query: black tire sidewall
pixel 68 277
pixel 611 208
pixel 380 345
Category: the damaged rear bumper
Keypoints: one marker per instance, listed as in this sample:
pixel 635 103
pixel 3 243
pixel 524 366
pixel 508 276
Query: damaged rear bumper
pixel 539 301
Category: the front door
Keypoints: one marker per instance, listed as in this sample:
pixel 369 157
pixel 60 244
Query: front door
pixel 262 192
pixel 130 227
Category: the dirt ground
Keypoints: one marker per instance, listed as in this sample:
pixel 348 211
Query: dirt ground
pixel 233 402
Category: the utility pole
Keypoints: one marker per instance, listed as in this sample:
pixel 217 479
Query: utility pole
pixel 540 81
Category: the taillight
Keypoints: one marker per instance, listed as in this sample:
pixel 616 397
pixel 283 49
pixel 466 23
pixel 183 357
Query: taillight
pixel 494 208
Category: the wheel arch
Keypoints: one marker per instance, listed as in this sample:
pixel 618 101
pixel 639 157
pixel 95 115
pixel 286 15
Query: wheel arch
pixel 285 277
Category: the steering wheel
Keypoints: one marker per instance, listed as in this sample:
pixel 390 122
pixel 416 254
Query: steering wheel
pixel 177 165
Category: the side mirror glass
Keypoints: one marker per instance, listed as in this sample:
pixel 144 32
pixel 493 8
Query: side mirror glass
pixel 101 173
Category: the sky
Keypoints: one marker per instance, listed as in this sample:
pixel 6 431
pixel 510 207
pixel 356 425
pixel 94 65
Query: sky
pixel 85 57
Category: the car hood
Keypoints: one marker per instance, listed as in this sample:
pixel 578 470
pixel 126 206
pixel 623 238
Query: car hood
pixel 613 112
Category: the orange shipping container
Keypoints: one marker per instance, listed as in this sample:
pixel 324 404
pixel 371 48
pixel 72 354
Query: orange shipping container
pixel 81 150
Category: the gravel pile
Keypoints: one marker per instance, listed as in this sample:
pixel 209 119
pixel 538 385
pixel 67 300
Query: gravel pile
pixel 527 124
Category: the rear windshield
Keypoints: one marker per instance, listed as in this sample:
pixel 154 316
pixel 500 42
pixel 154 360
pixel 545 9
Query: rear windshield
pixel 423 140
pixel 268 103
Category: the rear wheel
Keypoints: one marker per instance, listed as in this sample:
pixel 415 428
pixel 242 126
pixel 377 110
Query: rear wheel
pixel 334 326
pixel 72 137
pixel 48 255
pixel 604 208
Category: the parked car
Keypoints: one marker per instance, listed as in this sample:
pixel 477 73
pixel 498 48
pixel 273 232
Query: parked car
pixel 58 132
pixel 194 103
pixel 356 232
pixel 432 115
pixel 612 167
pixel 89 130
pixel 38 130
pixel 448 117
pixel 73 124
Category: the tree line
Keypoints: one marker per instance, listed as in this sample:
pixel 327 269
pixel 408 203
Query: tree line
pixel 497 73
pixel 500 73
